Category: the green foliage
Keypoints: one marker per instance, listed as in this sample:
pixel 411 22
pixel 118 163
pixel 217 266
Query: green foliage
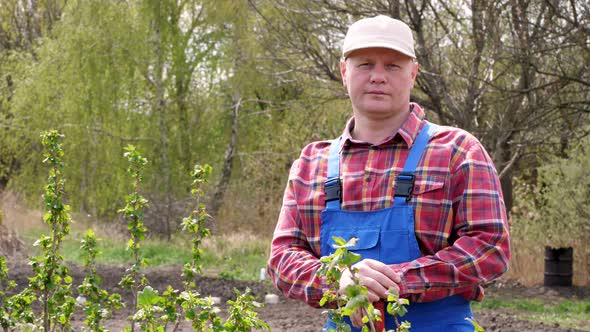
pixel 51 281
pixel 153 312
pixel 113 73
pixel 97 303
pixel 242 314
pixel 396 307
pixel 477 327
pixel 195 223
pixel 554 212
pixel 133 212
pixel 6 320
pixel 355 297
pixel 18 312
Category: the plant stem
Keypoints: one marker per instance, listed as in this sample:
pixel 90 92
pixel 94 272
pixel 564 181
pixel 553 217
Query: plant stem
pixel 357 281
pixel 371 324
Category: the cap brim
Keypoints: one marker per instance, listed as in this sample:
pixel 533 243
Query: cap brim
pixel 378 45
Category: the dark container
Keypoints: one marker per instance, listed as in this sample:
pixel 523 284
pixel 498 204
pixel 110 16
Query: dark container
pixel 559 266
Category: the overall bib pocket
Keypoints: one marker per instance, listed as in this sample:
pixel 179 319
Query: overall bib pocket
pixel 367 243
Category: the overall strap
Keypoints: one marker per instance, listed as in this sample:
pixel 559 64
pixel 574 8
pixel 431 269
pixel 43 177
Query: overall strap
pixel 404 183
pixel 333 185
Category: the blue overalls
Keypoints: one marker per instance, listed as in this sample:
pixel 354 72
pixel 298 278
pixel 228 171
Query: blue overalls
pixel 387 235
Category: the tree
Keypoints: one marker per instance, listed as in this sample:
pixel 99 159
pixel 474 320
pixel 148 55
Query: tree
pixel 23 23
pixel 554 211
pixel 495 68
pixel 122 72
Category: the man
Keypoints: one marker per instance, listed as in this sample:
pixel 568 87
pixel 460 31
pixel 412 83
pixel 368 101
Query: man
pixel 423 200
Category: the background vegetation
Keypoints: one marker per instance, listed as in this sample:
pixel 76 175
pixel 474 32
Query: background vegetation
pixel 243 85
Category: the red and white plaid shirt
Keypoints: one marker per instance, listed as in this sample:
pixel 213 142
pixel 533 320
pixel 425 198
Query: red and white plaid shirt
pixel 460 218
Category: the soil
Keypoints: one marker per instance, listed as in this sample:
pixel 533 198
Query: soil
pixel 291 316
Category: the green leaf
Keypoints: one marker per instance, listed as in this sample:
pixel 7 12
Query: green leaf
pixel 351 258
pixel 148 297
pixel 358 301
pixel 338 242
pixel 477 327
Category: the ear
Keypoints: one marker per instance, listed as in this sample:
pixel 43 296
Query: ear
pixel 343 71
pixel 414 72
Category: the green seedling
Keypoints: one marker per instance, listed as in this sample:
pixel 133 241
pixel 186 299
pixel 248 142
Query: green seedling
pixel 134 279
pixel 51 282
pixel 355 295
pixel 96 302
pixel 7 321
pixel 160 312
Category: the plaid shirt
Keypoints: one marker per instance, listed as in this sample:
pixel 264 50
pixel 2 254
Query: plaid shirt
pixel 460 218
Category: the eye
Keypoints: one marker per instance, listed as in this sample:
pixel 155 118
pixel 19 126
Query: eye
pixel 393 66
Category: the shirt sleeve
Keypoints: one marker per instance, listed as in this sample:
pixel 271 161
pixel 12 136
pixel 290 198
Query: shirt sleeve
pixel 293 264
pixel 479 249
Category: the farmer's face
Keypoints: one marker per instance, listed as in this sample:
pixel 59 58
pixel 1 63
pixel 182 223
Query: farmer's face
pixel 379 81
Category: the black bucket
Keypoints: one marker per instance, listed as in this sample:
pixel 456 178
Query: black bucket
pixel 559 266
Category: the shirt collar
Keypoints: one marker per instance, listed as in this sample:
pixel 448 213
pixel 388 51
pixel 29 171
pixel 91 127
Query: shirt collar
pixel 407 132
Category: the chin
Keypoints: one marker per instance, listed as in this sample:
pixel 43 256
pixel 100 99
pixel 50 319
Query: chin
pixel 379 109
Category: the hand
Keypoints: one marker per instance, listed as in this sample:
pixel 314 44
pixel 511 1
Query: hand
pixel 376 276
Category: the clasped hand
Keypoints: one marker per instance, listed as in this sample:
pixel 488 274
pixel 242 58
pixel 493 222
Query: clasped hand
pixel 377 277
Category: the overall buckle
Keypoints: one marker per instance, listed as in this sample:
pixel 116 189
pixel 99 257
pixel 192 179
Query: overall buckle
pixel 404 185
pixel 333 189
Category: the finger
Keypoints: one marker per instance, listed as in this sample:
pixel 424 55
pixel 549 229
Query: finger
pixel 385 270
pixel 395 289
pixel 378 277
pixel 372 296
pixel 357 319
pixel 345 281
pixel 376 282
pixel 375 287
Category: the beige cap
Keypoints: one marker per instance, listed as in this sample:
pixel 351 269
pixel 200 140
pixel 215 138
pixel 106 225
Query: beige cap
pixel 379 31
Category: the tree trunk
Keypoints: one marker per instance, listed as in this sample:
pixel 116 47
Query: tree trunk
pixel 504 161
pixel 507 191
pixel 230 153
pixel 165 168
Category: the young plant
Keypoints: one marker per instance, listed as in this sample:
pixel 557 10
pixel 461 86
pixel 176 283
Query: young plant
pixel 15 311
pixel 19 315
pixel 51 280
pixel 154 311
pixel 243 315
pixel 96 302
pixel 134 279
pixel 195 225
pixel 396 307
pixel 201 312
pixel 6 320
pixel 355 296
pixel 198 311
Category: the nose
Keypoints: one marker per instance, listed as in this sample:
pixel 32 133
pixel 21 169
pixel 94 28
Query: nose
pixel 378 74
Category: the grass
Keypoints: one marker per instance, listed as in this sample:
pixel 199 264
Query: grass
pixel 567 313
pixel 238 256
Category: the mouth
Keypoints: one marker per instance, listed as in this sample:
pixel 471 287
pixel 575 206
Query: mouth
pixel 377 93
